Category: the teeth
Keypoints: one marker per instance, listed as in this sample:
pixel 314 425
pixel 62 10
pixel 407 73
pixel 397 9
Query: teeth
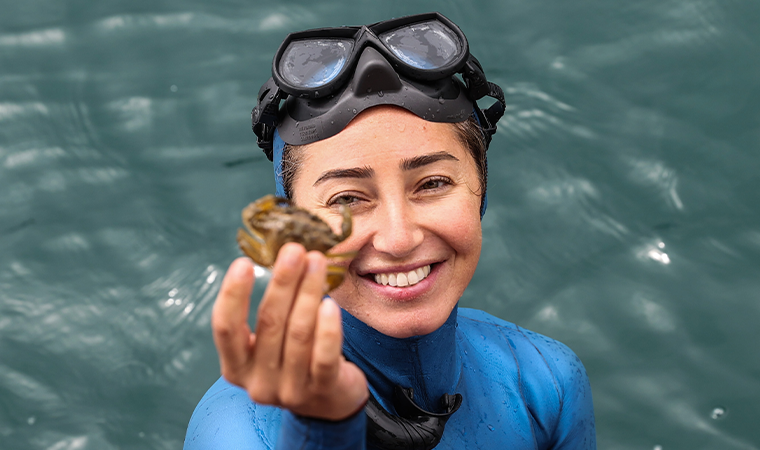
pixel 403 279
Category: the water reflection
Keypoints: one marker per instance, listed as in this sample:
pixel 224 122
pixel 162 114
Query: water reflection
pixel 622 213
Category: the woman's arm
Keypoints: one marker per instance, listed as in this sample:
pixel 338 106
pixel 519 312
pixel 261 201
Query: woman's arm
pixel 294 359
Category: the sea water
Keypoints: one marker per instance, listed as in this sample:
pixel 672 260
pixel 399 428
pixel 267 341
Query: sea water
pixel 623 217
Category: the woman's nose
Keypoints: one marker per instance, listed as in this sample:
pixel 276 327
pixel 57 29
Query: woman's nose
pixel 397 231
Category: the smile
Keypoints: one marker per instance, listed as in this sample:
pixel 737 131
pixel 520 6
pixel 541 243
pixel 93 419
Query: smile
pixel 403 279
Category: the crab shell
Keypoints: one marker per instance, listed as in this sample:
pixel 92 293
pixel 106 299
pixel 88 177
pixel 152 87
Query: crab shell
pixel 274 221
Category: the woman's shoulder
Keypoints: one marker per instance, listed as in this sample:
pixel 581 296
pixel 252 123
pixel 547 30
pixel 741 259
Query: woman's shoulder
pixel 532 352
pixel 552 380
pixel 227 418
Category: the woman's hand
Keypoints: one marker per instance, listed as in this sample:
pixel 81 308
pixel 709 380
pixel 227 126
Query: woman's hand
pixel 294 360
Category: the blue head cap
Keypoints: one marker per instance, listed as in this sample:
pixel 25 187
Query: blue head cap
pixel 277 148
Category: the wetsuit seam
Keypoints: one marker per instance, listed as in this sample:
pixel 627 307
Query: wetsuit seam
pixel 560 396
pixel 520 387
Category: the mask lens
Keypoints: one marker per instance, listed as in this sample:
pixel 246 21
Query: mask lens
pixel 314 62
pixel 425 45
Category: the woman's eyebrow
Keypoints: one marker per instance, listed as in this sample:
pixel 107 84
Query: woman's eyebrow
pixel 423 160
pixel 354 172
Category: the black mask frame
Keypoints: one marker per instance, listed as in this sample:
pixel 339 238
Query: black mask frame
pixel 267 115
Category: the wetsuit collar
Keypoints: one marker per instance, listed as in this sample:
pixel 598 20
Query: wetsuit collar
pixel 428 364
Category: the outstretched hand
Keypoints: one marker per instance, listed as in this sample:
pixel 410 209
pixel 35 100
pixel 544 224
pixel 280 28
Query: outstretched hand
pixel 294 359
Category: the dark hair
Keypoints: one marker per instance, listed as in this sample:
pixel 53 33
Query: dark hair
pixel 468 132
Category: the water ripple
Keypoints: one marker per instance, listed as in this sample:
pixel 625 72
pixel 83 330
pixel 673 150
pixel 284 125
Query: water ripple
pixel 43 38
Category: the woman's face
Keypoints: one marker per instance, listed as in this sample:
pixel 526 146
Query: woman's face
pixel 414 195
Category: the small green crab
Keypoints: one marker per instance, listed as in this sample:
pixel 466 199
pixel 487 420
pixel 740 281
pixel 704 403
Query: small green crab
pixel 274 221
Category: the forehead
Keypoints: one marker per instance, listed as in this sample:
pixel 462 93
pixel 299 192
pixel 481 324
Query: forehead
pixel 380 135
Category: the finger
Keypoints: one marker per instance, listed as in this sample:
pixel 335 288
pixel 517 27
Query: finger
pixel 299 337
pixel 229 317
pixel 272 317
pixel 328 342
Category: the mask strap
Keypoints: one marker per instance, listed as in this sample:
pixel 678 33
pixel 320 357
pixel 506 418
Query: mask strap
pixel 264 115
pixel 484 204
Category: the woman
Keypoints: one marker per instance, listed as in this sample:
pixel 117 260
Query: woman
pixel 375 121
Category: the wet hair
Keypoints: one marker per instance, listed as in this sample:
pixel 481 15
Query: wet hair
pixel 468 132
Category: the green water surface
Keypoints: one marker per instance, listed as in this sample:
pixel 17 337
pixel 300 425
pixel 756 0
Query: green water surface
pixel 623 218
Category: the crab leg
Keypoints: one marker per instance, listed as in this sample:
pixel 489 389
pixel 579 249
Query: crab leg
pixel 341 256
pixel 334 277
pixel 254 249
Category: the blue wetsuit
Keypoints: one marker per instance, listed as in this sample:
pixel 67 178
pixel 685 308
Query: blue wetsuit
pixel 520 391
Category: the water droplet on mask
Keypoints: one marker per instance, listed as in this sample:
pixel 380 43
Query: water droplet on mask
pixel 353 110
pixel 298 123
pixel 380 93
pixel 441 100
pixel 332 122
pixel 316 93
pixel 402 103
pixel 718 413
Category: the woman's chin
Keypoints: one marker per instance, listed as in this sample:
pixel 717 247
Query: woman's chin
pixel 405 322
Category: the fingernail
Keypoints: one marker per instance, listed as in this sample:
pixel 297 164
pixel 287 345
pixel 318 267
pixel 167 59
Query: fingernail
pixel 241 268
pixel 290 256
pixel 329 307
pixel 315 263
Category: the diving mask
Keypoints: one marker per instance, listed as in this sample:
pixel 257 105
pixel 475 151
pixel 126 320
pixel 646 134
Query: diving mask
pixel 329 75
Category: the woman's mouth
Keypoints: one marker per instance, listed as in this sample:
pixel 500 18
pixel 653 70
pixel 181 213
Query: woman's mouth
pixel 403 279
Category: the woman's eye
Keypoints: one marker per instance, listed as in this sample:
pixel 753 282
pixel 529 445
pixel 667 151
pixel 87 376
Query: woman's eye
pixel 434 183
pixel 344 199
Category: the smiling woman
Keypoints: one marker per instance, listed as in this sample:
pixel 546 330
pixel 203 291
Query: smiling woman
pixel 413 190
pixel 390 362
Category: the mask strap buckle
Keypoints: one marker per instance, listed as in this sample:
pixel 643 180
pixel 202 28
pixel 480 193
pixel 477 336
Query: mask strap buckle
pixel 264 115
pixel 477 88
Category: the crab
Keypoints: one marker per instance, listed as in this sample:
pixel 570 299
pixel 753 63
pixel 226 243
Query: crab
pixel 274 221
